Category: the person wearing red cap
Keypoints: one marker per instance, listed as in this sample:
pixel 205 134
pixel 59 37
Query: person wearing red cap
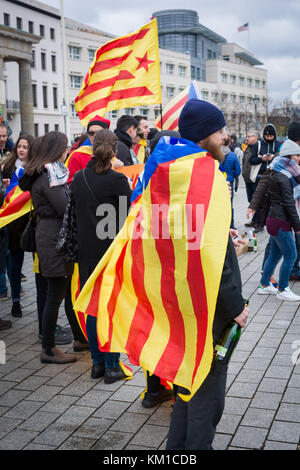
pixel 81 156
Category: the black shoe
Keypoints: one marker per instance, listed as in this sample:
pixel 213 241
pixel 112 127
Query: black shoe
pixel 62 336
pixel 112 375
pixel 258 229
pixel 249 224
pixel 5 324
pixel 150 401
pixel 98 371
pixel 16 310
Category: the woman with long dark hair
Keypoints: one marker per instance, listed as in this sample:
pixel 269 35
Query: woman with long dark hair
pixel 96 190
pixel 13 169
pixel 46 179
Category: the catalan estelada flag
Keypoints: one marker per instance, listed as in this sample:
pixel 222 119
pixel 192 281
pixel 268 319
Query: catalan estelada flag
pixel 16 202
pixel 171 112
pixel 154 292
pixel 125 73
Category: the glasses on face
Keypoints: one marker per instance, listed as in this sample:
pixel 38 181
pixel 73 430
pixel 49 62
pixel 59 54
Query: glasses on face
pixel 91 133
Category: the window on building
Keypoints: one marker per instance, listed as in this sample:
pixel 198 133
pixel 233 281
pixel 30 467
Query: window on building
pixel 224 77
pixel 56 127
pixel 202 49
pixel 46 128
pixel 34 95
pixel 45 96
pixel 6 19
pixel 130 111
pixel 170 91
pixel 53 62
pixel 170 69
pixel 209 53
pixel 249 100
pixel 114 114
pixel 214 96
pixel 36 129
pixel 249 82
pixel 42 30
pixel 193 72
pixel 224 97
pixel 73 110
pixel 257 83
pixel 75 81
pixel 198 73
pixel 242 81
pixel 233 79
pixel 242 99
pixel 19 23
pixel 43 60
pixel 91 54
pixel 226 57
pixel 182 70
pixel 204 94
pixel 55 101
pixel 74 52
pixel 263 83
pixel 144 112
pixel 233 98
pixel 30 27
pixel 156 112
pixel 52 34
pixel 33 59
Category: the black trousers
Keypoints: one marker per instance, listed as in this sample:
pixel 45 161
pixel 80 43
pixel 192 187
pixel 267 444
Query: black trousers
pixel 193 424
pixel 57 289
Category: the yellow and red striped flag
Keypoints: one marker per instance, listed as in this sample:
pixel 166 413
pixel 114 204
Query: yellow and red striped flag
pixel 171 112
pixel 16 203
pixel 154 292
pixel 125 73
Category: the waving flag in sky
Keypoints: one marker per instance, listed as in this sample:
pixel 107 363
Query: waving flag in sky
pixel 152 292
pixel 125 73
pixel 173 109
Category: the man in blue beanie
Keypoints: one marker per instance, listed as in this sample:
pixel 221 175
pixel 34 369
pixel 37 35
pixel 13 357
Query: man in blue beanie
pixel 193 423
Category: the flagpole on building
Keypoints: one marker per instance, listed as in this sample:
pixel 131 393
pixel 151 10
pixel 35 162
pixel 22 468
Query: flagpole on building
pixel 161 117
pixel 248 36
pixel 65 101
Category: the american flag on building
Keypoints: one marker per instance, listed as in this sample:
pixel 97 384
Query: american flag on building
pixel 244 27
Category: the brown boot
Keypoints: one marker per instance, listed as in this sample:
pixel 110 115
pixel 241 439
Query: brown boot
pixel 56 357
pixel 80 347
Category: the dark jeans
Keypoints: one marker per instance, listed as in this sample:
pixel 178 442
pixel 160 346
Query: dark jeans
pixel 4 237
pixel 110 360
pixel 296 267
pixel 193 424
pixel 58 288
pixel 232 211
pixel 15 263
pixel 281 245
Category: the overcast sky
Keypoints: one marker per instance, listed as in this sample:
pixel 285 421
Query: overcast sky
pixel 274 36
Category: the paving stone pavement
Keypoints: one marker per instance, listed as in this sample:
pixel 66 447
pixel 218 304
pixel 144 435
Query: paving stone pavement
pixel 46 407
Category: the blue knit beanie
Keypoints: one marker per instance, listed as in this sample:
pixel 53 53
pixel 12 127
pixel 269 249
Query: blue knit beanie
pixel 199 119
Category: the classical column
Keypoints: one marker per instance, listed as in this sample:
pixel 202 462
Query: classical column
pixel 2 89
pixel 26 99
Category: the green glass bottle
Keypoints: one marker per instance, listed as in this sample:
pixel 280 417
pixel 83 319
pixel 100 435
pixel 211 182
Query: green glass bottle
pixel 227 342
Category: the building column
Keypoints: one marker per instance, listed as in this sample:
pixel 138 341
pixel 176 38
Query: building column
pixel 2 89
pixel 26 99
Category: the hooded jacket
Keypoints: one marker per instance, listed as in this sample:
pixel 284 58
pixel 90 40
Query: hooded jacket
pixel 124 147
pixel 265 147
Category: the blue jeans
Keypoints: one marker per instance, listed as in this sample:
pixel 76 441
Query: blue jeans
pixel 111 360
pixel 296 267
pixel 15 263
pixel 3 254
pixel 281 245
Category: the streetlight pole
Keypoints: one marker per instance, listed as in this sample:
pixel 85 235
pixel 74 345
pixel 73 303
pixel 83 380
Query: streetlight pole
pixel 65 101
pixel 256 100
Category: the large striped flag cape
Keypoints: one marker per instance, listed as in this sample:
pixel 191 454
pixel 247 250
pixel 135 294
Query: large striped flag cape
pixel 16 202
pixel 154 292
pixel 85 149
pixel 125 73
pixel 171 113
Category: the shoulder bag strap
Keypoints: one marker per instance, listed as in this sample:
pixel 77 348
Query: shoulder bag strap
pixel 89 188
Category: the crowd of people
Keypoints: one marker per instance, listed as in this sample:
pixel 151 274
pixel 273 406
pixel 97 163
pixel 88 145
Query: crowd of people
pixel 76 181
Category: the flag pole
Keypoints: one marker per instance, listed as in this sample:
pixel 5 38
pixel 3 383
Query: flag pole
pixel 161 117
pixel 248 36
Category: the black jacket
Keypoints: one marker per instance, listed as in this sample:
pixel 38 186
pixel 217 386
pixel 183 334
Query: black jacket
pixel 124 147
pixel 49 204
pixel 280 191
pixel 265 147
pixel 230 302
pixel 93 221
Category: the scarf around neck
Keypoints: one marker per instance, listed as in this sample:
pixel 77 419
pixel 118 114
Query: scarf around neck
pixel 57 173
pixel 290 169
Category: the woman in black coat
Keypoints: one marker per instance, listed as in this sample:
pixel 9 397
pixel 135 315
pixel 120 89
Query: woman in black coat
pixel 101 199
pixel 46 179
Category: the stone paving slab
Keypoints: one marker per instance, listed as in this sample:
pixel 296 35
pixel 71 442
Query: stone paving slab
pixel 48 407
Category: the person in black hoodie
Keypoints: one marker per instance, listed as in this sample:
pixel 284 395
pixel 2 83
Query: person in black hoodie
pixel 262 155
pixel 125 132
